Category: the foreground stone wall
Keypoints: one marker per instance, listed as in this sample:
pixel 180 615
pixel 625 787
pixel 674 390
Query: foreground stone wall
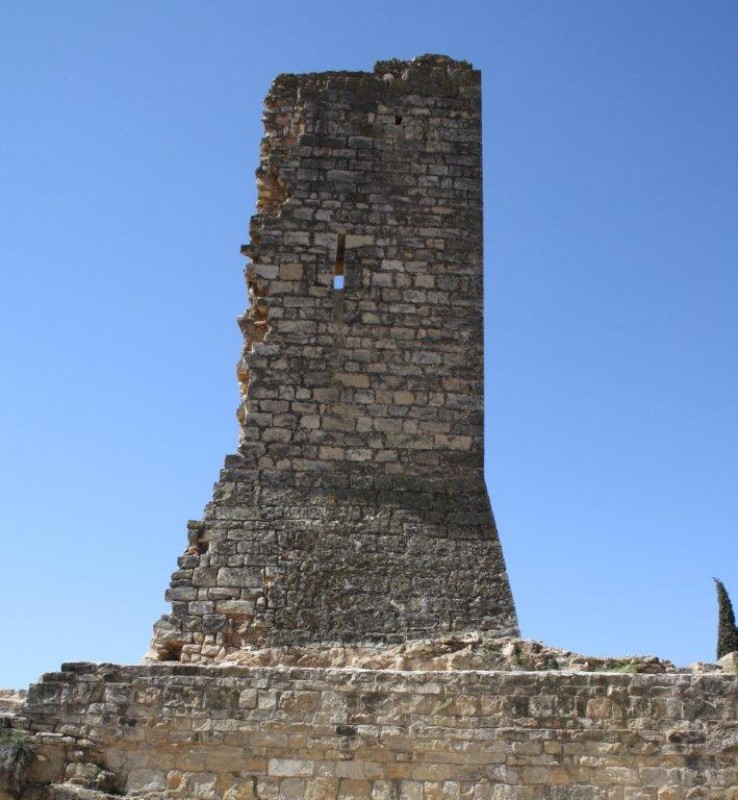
pixel 237 733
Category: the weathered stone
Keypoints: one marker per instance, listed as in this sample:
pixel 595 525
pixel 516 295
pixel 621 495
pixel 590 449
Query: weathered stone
pixel 323 788
pixel 388 734
pixel 362 399
pixel 282 767
pixel 243 790
pixel 356 512
pixel 146 781
pixel 729 662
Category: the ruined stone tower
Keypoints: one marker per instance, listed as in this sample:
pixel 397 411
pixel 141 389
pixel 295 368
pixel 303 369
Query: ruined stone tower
pixel 355 509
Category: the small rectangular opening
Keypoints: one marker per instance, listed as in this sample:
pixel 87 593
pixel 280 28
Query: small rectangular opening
pixel 339 271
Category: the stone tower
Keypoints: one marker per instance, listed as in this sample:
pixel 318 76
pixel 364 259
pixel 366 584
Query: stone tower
pixel 355 509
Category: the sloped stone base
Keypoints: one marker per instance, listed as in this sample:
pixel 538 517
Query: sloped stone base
pixel 286 565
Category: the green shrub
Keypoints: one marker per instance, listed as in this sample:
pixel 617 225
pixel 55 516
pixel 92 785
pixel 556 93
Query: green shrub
pixel 16 752
pixel 727 634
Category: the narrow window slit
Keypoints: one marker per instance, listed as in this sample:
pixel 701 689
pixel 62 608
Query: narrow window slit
pixel 339 271
pixel 398 119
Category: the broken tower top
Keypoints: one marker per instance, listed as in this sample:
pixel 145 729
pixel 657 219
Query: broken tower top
pixel 363 353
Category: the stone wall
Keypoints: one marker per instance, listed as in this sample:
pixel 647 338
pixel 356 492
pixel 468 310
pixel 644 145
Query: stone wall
pixel 375 179
pixel 347 566
pixel 332 734
pixel 355 509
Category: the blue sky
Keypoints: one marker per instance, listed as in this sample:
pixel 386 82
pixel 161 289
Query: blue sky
pixel 128 141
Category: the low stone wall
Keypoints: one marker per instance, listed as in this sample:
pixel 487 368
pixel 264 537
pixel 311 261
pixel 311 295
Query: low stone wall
pixel 11 700
pixel 238 733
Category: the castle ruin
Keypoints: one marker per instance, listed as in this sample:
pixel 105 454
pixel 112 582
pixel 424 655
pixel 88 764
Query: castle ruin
pixel 354 519
pixel 355 509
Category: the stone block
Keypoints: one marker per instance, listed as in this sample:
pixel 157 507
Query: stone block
pixel 290 767
pixel 292 789
pixel 355 240
pixel 248 698
pixel 267 788
pixel 146 781
pixel 235 607
pixel 729 662
pixel 202 786
pixel 354 790
pixel 349 769
pixel 321 788
pixel 243 789
pixel 265 271
pixel 353 379
pixel 411 790
pixel 291 272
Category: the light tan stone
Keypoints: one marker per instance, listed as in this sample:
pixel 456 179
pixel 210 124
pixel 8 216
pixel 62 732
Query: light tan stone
pixel 146 781
pixel 291 272
pixel 599 707
pixel 349 789
pixel 729 662
pixel 354 240
pixel 321 788
pixel 243 789
pixel 290 767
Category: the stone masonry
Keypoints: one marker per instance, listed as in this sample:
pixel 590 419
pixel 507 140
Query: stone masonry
pixel 355 515
pixel 234 733
pixel 355 509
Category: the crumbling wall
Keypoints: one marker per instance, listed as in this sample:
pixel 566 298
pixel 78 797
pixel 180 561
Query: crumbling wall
pixel 334 734
pixel 355 509
pixel 374 178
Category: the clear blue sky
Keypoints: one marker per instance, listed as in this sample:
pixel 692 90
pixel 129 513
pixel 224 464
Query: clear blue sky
pixel 129 136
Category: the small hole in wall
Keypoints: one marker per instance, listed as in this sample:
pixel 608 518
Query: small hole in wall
pixel 398 119
pixel 172 651
pixel 339 271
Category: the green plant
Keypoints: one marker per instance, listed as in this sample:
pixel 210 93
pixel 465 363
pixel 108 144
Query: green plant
pixel 727 634
pixel 622 666
pixel 16 752
pixel 489 646
pixel 521 658
pixel 626 666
